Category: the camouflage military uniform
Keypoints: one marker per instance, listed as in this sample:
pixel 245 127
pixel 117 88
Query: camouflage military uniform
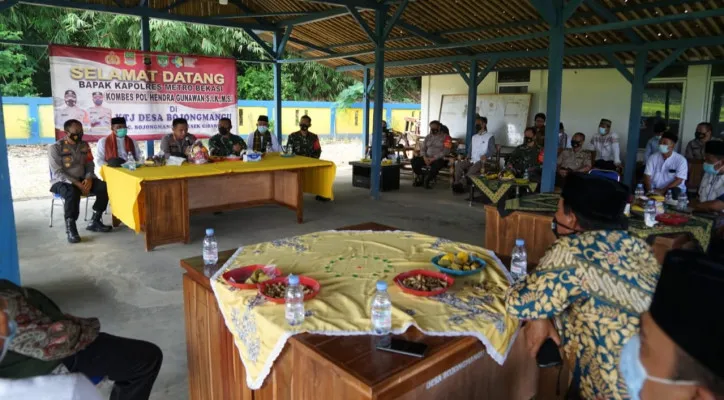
pixel 304 145
pixel 524 158
pixel 220 145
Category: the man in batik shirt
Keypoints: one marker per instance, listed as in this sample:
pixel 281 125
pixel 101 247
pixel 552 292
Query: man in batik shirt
pixel 594 281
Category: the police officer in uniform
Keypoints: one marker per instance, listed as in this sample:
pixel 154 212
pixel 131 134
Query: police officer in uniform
pixel 72 176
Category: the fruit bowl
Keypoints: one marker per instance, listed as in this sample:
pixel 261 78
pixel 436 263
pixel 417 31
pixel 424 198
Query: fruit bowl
pixel 459 272
pixel 672 219
pixel 237 277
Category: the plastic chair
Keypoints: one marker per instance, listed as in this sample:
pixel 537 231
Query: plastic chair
pixel 58 197
pixel 606 173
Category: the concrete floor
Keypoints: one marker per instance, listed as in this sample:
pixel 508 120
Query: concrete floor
pixel 139 294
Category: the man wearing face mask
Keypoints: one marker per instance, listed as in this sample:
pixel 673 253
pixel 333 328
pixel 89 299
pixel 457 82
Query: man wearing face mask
pixel 114 148
pixel 99 116
pixel 226 143
pixel 433 151
pixel 179 141
pixel 695 148
pixel 594 281
pixel 262 138
pixel 606 143
pixel 303 142
pixel 574 159
pixel 679 353
pixel 483 147
pixel 70 111
pixel 525 157
pixel 711 190
pixel 47 339
pixel 72 176
pixel 48 387
pixel 667 169
pixel 652 146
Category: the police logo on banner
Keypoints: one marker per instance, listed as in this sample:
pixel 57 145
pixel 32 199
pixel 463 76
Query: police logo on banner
pixel 162 61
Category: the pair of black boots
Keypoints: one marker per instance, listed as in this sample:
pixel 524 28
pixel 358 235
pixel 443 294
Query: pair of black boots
pixel 423 180
pixel 95 225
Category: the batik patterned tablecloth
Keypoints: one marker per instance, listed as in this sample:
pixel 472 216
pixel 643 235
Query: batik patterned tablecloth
pixel 347 265
pixel 495 189
pixel 699 227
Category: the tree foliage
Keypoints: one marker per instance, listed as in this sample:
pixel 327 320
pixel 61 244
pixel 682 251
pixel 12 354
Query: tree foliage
pixel 25 70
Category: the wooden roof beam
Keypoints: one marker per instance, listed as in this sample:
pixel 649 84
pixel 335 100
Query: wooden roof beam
pixel 609 16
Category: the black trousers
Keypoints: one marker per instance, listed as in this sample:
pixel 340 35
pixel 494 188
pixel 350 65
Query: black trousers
pixel 131 364
pixel 71 197
pixel 418 163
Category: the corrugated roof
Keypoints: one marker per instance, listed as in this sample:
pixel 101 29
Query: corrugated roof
pixel 490 24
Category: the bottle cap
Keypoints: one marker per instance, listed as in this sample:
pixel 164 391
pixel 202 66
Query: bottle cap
pixel 209 231
pixel 519 242
pixel 293 279
pixel 381 285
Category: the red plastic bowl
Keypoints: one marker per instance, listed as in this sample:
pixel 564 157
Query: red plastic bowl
pixel 399 278
pixel 240 275
pixel 304 280
pixel 672 219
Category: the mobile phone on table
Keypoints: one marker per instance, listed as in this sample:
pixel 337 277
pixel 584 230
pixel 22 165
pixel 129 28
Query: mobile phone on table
pixel 405 347
pixel 548 355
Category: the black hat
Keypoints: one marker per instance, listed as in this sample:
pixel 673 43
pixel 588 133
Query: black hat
pixel 115 162
pixel 691 286
pixel 595 197
pixel 714 147
pixel 605 121
pixel 262 118
pixel 118 120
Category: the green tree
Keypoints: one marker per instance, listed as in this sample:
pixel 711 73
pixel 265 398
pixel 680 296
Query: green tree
pixel 15 71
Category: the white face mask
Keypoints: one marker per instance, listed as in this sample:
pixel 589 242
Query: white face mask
pixel 634 372
pixel 262 128
pixel 601 130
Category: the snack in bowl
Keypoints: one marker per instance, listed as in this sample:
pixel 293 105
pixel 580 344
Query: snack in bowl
pixel 278 290
pixel 507 176
pixel 461 264
pixel 250 276
pixel 491 177
pixel 424 283
pixel 258 276
pixel 274 290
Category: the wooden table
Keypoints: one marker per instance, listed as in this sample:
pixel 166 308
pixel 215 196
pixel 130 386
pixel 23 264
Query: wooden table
pixel 344 367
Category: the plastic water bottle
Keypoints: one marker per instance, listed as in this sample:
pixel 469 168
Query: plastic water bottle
pixel 294 301
pixel 382 313
pixel 519 261
pixel 683 202
pixel 210 252
pixel 639 191
pixel 268 148
pixel 131 161
pixel 669 197
pixel 525 175
pixel 650 213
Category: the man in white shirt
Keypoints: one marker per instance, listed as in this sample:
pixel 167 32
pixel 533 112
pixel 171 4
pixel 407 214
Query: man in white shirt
pixel 262 138
pixel 114 148
pixel 49 387
pixel 483 146
pixel 667 169
pixel 606 143
pixel 711 190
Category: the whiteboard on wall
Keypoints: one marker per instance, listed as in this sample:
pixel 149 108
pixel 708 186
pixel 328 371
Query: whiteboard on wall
pixel 507 115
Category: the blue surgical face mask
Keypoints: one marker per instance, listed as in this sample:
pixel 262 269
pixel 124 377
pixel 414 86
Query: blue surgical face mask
pixel 13 328
pixel 121 132
pixel 634 373
pixel 663 148
pixel 710 169
pixel 601 130
pixel 262 128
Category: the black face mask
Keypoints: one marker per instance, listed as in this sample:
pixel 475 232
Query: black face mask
pixel 699 135
pixel 303 127
pixel 527 140
pixel 478 127
pixel 554 227
pixel 575 144
pixel 76 137
pixel 224 131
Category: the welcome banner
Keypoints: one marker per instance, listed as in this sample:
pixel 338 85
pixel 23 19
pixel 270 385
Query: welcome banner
pixel 149 89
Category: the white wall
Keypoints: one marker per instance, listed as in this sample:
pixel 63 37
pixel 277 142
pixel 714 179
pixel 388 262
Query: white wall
pixel 588 95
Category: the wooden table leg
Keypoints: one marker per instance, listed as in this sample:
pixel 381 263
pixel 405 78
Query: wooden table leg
pixel 166 216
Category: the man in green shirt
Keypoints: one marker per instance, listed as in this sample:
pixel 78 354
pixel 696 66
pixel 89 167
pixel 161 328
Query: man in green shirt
pixel 525 157
pixel 226 143
pixel 303 142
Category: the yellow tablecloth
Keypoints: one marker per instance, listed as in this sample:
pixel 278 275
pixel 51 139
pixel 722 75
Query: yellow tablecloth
pixel 347 265
pixel 124 186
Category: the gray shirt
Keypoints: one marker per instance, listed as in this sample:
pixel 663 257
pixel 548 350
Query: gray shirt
pixel 169 144
pixel 70 162
pixel 436 146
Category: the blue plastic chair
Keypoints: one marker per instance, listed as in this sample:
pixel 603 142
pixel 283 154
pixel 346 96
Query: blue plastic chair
pixel 606 173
